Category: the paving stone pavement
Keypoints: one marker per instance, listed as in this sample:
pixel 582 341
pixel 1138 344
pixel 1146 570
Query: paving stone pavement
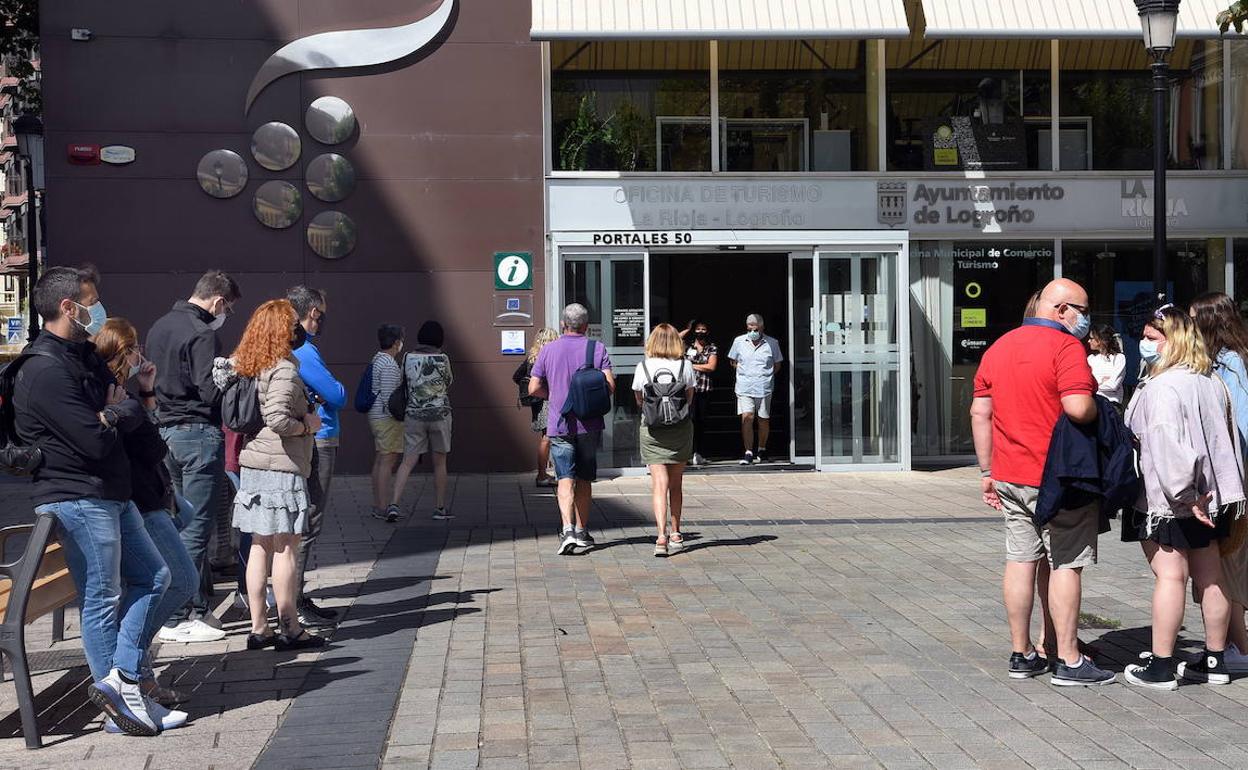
pixel 815 620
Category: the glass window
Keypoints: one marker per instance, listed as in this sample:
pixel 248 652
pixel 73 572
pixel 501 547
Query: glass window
pixel 1106 103
pixel 1241 274
pixel 1239 104
pixel 968 105
pixel 630 106
pixel 793 105
pixel 963 296
pixel 1119 278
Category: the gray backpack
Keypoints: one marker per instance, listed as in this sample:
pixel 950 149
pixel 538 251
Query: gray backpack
pixel 664 403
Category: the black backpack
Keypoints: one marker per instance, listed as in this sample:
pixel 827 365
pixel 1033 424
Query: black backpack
pixel 589 396
pixel 16 458
pixel 666 403
pixel 396 405
pixel 240 407
pixel 522 375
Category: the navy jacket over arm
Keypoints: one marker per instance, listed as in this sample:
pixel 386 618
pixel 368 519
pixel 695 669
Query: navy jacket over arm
pixel 1087 463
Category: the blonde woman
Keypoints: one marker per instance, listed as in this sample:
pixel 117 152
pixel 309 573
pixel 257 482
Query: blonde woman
pixel 540 407
pixel 1192 488
pixel 663 385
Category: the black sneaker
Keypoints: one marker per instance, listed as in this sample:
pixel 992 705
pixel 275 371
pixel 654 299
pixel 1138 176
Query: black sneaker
pixel 308 607
pixel 308 620
pixel 1210 669
pixel 1026 666
pixel 1155 672
pixel 746 459
pixel 583 538
pixel 1086 674
pixel 761 457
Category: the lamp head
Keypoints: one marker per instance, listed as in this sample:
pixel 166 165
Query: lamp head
pixel 1159 20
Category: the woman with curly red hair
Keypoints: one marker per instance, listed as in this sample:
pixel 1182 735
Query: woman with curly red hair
pixel 272 500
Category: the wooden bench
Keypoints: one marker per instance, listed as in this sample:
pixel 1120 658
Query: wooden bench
pixel 36 584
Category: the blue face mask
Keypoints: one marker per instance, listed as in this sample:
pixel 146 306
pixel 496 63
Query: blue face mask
pixel 98 316
pixel 1149 351
pixel 753 335
pixel 1083 325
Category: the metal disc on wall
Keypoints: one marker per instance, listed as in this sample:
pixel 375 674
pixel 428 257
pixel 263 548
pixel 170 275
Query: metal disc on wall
pixel 222 173
pixel 330 120
pixel 330 177
pixel 278 204
pixel 331 234
pixel 275 146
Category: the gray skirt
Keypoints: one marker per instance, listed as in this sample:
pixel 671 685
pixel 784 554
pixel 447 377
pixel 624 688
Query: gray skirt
pixel 667 446
pixel 271 503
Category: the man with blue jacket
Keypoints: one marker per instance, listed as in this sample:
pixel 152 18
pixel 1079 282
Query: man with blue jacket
pixel 330 396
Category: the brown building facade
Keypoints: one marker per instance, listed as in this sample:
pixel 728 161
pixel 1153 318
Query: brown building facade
pixel 447 159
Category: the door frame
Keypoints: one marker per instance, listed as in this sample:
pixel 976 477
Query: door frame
pixel 798 244
pixel 902 405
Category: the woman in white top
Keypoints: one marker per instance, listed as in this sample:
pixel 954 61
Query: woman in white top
pixel 1109 365
pixel 666 430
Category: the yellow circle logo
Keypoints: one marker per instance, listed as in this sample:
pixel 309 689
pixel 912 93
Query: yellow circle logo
pixel 973 290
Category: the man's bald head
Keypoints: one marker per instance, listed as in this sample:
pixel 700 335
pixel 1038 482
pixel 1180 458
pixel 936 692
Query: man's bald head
pixel 1057 298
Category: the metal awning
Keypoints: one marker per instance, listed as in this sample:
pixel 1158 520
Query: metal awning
pixel 717 19
pixel 1065 19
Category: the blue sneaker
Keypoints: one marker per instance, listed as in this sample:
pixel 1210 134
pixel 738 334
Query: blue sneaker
pixel 169 719
pixel 124 704
pixel 1086 674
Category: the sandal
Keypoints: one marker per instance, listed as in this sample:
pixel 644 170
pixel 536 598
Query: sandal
pixel 660 548
pixel 260 641
pixel 300 641
pixel 675 542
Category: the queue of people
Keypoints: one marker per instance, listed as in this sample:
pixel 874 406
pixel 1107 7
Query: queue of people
pixel 1058 456
pixel 139 454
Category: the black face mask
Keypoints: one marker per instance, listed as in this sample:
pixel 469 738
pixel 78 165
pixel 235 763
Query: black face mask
pixel 299 337
pixel 701 335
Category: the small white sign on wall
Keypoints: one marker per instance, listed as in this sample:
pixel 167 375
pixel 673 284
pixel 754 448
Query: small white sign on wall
pixel 512 342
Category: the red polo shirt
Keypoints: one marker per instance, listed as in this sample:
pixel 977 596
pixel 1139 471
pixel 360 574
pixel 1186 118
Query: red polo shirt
pixel 1026 373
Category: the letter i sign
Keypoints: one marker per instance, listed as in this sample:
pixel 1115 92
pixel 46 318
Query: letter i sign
pixel 513 270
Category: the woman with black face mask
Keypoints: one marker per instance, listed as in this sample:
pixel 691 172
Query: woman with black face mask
pixel 704 356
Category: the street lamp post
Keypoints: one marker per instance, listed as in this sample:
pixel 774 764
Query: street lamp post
pixel 29 130
pixel 1158 20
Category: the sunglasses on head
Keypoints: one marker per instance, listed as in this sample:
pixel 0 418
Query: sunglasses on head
pixel 1159 313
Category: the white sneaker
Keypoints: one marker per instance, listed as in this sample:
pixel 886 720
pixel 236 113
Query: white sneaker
pixel 698 460
pixel 1236 662
pixel 168 718
pixel 124 704
pixel 190 632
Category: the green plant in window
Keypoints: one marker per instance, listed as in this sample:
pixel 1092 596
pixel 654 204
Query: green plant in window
pixel 584 131
pixel 1121 115
pixel 626 132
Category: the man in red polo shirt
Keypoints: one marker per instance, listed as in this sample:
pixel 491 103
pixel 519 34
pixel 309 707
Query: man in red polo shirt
pixel 1026 381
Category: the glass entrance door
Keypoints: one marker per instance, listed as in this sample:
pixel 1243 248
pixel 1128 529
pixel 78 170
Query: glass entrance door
pixel 858 323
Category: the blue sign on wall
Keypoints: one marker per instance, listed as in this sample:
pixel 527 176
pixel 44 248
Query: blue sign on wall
pixel 14 330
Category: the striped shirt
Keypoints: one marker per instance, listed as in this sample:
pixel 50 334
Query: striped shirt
pixel 386 377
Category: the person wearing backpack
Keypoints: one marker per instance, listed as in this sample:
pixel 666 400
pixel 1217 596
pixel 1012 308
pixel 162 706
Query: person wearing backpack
pixel 427 382
pixel 663 385
pixel 182 344
pixel 383 378
pixel 66 403
pixel 539 408
pixel 574 374
pixel 273 503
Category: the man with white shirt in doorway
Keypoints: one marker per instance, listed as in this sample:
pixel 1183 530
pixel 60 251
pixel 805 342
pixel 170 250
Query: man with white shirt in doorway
pixel 756 357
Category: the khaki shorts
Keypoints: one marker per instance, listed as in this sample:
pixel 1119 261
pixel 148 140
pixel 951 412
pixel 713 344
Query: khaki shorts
pixel 420 437
pixel 1069 540
pixel 760 407
pixel 387 435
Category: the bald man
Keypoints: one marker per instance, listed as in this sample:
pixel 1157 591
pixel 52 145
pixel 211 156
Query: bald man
pixel 1026 381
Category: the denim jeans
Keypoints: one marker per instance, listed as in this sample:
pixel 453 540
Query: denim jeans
pixel 323 458
pixel 162 528
pixel 120 577
pixel 196 463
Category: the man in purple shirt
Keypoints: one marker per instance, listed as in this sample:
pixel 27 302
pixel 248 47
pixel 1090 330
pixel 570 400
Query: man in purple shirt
pixel 573 442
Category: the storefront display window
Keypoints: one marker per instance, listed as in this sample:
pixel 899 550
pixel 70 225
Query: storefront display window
pixel 963 296
pixel 1240 245
pixel 968 105
pixel 793 105
pixel 1119 278
pixel 630 106
pixel 1106 105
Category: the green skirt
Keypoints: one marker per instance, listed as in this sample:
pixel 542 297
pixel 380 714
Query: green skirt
pixel 667 446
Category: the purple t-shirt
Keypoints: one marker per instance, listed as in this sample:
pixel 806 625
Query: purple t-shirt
pixel 556 364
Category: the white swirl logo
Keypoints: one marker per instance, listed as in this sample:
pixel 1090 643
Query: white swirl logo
pixel 348 49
